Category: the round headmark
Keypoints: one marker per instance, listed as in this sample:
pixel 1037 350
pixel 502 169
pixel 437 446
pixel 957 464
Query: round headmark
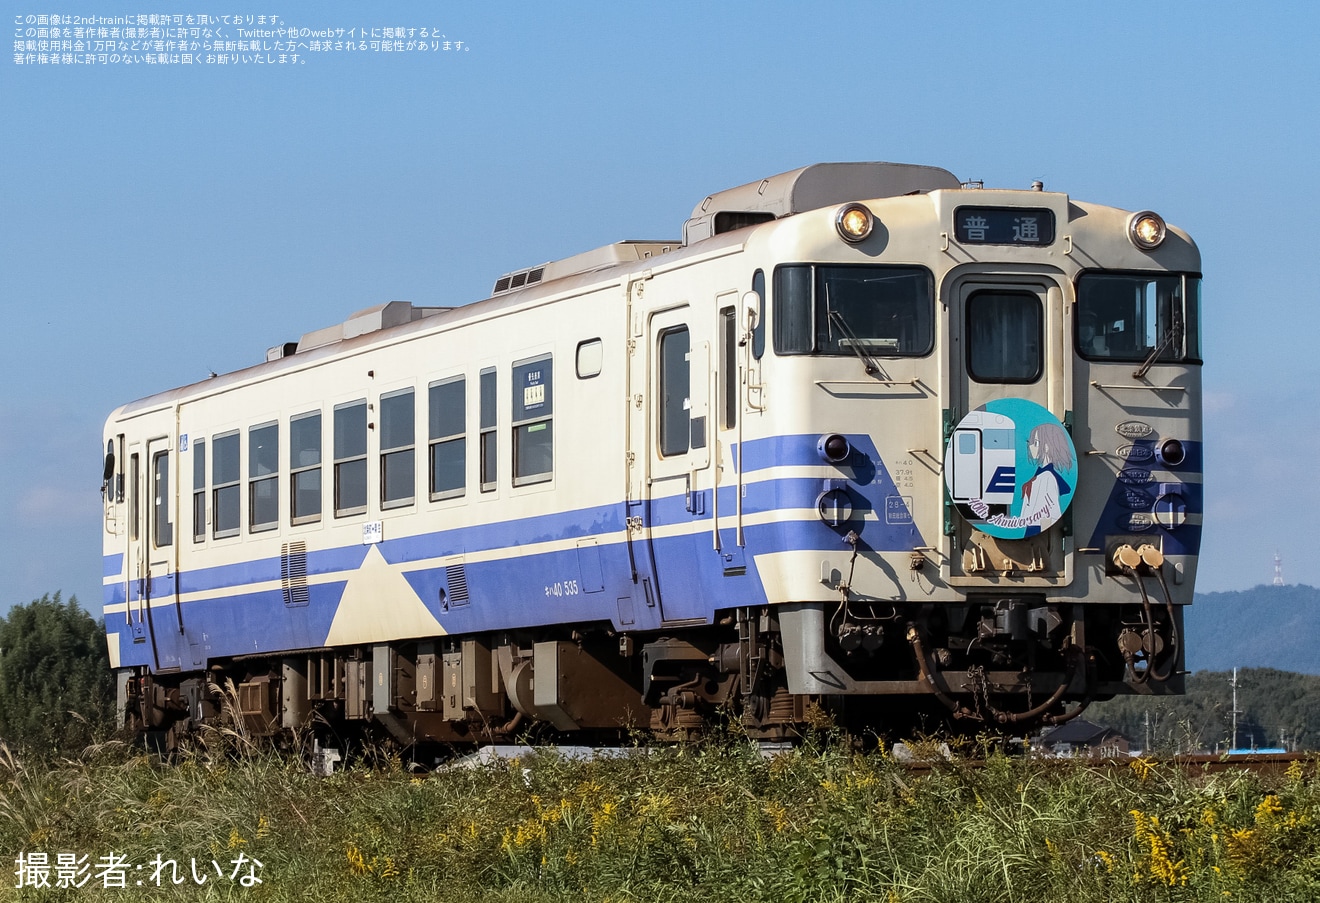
pixel 1011 468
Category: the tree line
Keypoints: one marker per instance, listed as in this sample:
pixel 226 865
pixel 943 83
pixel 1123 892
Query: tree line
pixel 57 693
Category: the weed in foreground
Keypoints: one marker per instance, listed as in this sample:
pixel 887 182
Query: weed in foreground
pixel 711 823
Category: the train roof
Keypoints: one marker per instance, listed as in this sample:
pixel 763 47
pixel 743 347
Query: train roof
pixel 707 230
pixel 797 191
pixel 809 188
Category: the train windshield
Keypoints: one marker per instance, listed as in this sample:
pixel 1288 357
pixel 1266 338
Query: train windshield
pixel 1138 317
pixel 846 310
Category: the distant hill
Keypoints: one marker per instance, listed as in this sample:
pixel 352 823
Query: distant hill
pixel 1264 627
pixel 1275 708
pixel 1272 633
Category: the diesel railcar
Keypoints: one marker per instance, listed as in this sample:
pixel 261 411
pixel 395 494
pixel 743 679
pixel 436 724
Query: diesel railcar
pixel 864 441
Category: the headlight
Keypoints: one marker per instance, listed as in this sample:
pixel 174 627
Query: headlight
pixel 854 222
pixel 1171 453
pixel 833 448
pixel 1146 230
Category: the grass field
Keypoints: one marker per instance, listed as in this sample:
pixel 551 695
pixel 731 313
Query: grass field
pixel 714 822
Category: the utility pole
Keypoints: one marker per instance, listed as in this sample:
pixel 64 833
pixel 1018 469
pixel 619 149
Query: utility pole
pixel 1233 743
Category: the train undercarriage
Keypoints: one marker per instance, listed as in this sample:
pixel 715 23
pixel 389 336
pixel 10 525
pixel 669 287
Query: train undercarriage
pixel 1000 663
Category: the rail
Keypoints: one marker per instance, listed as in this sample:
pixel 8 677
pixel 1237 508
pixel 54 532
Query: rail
pixel 1205 763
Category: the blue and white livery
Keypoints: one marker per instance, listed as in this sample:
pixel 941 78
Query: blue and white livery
pixel 864 438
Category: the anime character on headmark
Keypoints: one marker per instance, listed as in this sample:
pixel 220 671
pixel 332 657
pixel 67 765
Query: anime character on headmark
pixel 1050 450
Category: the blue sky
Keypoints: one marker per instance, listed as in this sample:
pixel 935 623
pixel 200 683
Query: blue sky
pixel 160 222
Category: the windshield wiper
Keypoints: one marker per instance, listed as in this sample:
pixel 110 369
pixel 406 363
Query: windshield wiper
pixel 872 368
pixel 1155 352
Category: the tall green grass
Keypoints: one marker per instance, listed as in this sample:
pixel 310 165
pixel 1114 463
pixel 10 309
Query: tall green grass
pixel 713 823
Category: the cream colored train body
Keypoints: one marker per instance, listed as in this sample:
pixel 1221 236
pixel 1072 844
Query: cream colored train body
pixel 863 439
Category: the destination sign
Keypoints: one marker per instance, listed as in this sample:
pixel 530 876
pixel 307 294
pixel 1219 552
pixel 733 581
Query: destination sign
pixel 1004 225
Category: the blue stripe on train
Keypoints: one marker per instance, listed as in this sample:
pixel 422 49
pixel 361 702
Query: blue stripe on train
pixel 112 565
pixel 535 589
pixel 869 483
pixel 525 590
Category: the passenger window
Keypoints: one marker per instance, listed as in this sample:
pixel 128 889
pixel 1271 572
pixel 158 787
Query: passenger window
pixel 793 314
pixel 134 504
pixel 533 425
pixel 1005 337
pixel 199 490
pixel 590 358
pixel 135 507
pixel 758 334
pixel 162 527
pixel 263 477
pixel 350 458
pixel 305 468
pixel 675 392
pixel 729 366
pixel 448 434
pixel 225 492
pixel 398 464
pixel 489 473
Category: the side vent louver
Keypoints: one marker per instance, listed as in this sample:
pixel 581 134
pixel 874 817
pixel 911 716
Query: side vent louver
pixel 456 577
pixel 293 572
pixel 619 253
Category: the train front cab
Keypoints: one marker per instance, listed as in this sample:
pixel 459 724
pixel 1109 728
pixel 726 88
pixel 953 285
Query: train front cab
pixel 1056 539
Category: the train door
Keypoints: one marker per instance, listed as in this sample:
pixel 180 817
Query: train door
pixel 726 418
pixel 161 577
pixel 135 569
pixel 1010 466
pixel 671 433
pixel 151 536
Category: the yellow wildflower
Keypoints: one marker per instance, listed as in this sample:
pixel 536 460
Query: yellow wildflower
pixel 601 818
pixel 1268 809
pixel 778 815
pixel 1143 767
pixel 357 863
pixel 1163 868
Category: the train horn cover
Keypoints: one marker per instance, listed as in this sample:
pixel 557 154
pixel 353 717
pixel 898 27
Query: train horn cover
pixel 1146 230
pixel 854 222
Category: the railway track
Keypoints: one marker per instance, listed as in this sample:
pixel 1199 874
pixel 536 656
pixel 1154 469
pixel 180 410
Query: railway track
pixel 1266 763
pixel 1206 763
